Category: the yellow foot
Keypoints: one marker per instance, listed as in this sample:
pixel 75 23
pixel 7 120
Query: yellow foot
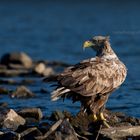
pixel 95 118
pixel 102 118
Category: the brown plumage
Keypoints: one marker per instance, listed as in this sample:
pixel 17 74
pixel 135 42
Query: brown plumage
pixel 91 81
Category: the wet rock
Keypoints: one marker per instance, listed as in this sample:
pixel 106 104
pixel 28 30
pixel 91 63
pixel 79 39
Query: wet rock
pixel 8 81
pixel 56 115
pixel 10 136
pixel 50 131
pixel 12 120
pixel 3 91
pixel 44 127
pixel 40 68
pixel 61 130
pixel 17 58
pixel 120 133
pixel 16 66
pixel 35 113
pixel 3 67
pixel 22 92
pixel 30 133
pixel 13 72
pixel 3 105
pixel 27 81
pixel 48 71
pixel 66 131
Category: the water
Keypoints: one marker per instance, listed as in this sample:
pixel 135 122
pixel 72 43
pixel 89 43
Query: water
pixel 55 30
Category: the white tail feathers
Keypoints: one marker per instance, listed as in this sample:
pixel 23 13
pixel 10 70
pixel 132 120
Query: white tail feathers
pixel 55 95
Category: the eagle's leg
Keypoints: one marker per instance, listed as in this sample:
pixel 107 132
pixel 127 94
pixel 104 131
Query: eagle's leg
pixel 101 110
pixel 98 106
pixel 102 118
pixel 95 117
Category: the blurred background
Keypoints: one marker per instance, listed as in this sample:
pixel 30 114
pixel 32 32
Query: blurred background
pixel 56 29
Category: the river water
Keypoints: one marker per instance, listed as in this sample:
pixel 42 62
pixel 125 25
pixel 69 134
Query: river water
pixel 56 29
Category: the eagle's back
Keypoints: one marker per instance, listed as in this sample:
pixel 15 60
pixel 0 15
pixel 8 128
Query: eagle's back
pixel 90 77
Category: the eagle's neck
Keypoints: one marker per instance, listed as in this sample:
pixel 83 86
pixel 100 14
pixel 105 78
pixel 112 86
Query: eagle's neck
pixel 106 52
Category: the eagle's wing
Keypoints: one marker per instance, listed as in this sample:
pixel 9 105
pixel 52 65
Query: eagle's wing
pixel 93 76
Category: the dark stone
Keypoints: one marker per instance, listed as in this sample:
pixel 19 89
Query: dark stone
pixel 61 130
pixel 120 133
pixel 66 132
pixel 56 115
pixel 31 121
pixel 22 92
pixel 8 82
pixel 3 91
pixel 17 58
pixel 3 105
pixel 13 72
pixel 27 81
pixel 30 133
pixel 9 136
pixel 12 120
pixel 35 113
pixel 44 127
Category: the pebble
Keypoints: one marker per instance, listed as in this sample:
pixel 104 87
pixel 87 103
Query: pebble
pixel 22 92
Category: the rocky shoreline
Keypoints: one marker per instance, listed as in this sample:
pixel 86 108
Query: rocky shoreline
pixel 30 123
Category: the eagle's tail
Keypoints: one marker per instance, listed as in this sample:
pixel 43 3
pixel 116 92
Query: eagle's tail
pixel 59 92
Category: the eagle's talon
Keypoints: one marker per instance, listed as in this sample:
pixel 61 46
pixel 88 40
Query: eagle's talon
pixel 101 117
pixel 106 124
pixel 95 118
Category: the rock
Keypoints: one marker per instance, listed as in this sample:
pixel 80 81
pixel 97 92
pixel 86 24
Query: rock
pixel 35 113
pixel 120 133
pixel 17 58
pixel 13 72
pixel 61 130
pixel 8 82
pixel 13 120
pixel 22 92
pixel 44 126
pixel 56 115
pixel 16 66
pixel 30 133
pixel 50 131
pixel 27 81
pixel 10 136
pixel 3 105
pixel 3 67
pixel 3 91
pixel 66 131
pixel 48 71
pixel 39 68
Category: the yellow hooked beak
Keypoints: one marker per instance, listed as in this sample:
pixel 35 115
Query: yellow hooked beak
pixel 87 44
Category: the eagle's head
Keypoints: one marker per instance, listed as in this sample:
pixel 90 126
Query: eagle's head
pixel 100 44
pixel 97 43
